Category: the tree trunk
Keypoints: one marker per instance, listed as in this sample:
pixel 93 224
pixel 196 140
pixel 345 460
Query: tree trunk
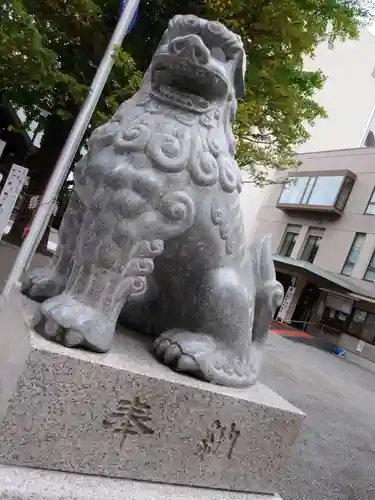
pixel 40 165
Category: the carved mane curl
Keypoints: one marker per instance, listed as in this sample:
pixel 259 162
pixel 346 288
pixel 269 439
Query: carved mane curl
pixel 177 140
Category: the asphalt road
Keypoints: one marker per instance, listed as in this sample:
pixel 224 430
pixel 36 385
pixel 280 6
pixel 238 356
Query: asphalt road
pixel 334 457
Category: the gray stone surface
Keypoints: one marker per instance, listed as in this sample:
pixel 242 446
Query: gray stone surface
pixel 123 414
pixel 155 222
pixel 31 484
pixel 14 348
pixel 333 457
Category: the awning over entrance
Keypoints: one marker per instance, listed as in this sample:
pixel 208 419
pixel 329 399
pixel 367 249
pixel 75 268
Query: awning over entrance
pixel 322 278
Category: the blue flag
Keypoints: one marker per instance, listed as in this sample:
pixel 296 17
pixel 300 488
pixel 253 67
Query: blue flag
pixel 122 6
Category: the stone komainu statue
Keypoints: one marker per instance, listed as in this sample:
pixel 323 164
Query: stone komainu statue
pixel 154 229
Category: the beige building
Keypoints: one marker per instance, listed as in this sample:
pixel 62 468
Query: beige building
pixel 323 235
pixel 348 97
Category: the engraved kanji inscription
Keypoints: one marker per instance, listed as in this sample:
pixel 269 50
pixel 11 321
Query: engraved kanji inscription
pixel 131 418
pixel 218 436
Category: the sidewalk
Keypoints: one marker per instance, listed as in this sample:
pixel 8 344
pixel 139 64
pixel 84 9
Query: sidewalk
pixel 8 254
pixel 321 342
pixel 287 331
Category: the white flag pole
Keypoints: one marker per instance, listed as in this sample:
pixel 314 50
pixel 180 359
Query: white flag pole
pixel 69 150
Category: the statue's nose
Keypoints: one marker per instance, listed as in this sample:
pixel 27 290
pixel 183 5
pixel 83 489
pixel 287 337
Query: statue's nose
pixel 190 47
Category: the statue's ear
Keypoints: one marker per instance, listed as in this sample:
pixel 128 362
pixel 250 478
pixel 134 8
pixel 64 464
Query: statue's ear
pixel 239 74
pixel 164 39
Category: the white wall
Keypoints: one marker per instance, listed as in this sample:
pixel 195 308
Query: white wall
pixel 251 200
pixel 348 94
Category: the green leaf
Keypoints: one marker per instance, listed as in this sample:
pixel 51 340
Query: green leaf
pixel 50 50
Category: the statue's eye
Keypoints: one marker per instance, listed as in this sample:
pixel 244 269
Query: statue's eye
pixel 218 54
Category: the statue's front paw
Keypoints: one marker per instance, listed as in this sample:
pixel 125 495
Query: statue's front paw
pixel 179 349
pixel 42 283
pixel 200 355
pixel 74 324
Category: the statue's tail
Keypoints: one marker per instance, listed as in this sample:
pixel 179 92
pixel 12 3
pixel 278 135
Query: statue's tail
pixel 269 292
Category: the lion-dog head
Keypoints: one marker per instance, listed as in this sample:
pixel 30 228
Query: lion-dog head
pixel 198 64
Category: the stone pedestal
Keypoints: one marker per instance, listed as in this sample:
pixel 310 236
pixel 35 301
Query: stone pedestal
pixel 20 483
pixel 124 415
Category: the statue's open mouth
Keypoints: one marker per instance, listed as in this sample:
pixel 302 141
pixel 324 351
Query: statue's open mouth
pixel 182 83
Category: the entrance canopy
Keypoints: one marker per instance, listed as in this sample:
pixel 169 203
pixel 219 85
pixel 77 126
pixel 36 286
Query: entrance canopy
pixel 322 278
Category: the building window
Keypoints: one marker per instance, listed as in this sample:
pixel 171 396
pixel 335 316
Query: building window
pixel 311 248
pixel 309 187
pixel 368 331
pixel 370 140
pixel 370 209
pixel 370 273
pixel 362 326
pixel 325 191
pixel 289 242
pixel 318 191
pixel 353 254
pixel 344 193
pixel 294 191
